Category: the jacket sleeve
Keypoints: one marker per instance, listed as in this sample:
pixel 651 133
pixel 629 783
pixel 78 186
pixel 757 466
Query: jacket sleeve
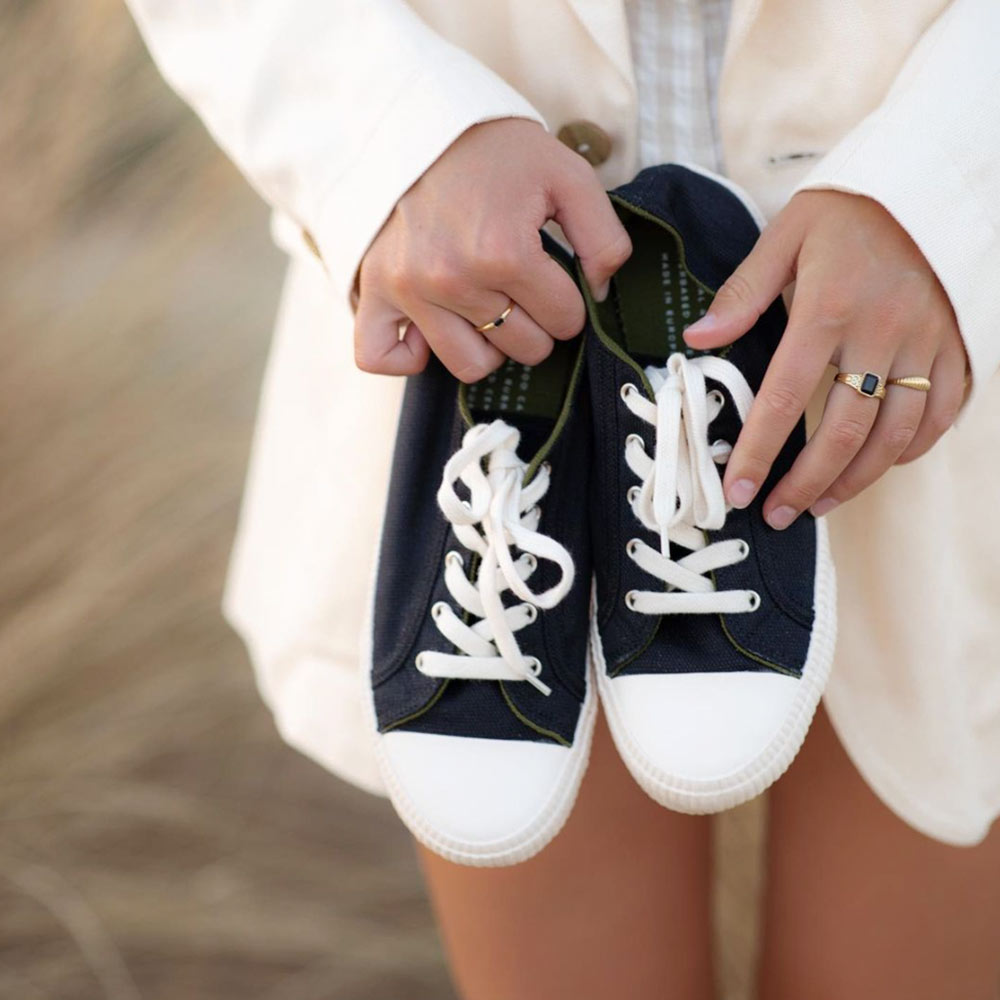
pixel 930 154
pixel 330 108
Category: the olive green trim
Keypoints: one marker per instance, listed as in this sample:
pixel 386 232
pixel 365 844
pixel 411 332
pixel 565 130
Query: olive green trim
pixel 420 711
pixel 642 649
pixel 463 404
pixel 595 322
pixel 564 414
pixel 531 725
pixel 756 657
pixel 776 667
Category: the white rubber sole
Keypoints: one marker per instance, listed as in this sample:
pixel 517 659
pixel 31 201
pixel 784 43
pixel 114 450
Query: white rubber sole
pixel 684 794
pixel 510 848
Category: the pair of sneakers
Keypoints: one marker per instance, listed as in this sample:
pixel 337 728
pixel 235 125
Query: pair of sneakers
pixel 578 546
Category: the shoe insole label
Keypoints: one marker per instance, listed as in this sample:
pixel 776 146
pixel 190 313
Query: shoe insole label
pixel 525 390
pixel 657 297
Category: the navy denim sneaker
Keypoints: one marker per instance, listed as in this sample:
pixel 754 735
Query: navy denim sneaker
pixel 712 634
pixel 482 705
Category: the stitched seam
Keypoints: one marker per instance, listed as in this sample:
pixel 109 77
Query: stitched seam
pixel 531 725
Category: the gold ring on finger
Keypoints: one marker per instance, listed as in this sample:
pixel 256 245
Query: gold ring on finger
pixel 863 383
pixel 917 382
pixel 499 321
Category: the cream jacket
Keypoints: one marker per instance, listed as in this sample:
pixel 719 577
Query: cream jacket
pixel 333 108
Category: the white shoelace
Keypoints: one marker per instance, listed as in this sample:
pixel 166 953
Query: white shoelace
pixel 680 491
pixel 501 513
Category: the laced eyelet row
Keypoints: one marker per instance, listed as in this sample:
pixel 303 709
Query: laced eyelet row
pixel 680 398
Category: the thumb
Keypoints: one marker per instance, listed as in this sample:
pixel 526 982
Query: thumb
pixel 584 212
pixel 749 290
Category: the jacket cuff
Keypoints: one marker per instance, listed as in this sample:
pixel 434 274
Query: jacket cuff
pixel 446 100
pixel 922 185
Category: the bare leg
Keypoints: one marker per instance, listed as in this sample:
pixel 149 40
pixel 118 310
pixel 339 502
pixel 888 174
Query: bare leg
pixel 860 906
pixel 616 906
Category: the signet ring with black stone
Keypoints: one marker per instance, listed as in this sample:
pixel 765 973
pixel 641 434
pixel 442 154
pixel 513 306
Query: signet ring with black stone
pixel 865 383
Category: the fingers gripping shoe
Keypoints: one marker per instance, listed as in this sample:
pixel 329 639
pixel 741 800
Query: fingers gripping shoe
pixel 712 634
pixel 481 700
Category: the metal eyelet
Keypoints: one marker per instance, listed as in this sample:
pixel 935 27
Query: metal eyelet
pixel 744 549
pixel 420 661
pixel 626 390
pixel 531 561
pixel 638 440
pixel 717 396
pixel 633 494
pixel 534 666
pixel 453 558
pixel 754 600
pixel 438 609
pixel 719 443
pixel 630 599
pixel 632 546
pixel 532 611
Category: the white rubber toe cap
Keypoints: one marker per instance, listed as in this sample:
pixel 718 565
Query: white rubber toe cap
pixel 703 732
pixel 479 801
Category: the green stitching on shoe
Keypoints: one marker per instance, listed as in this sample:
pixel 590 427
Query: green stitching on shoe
pixel 420 711
pixel 756 657
pixel 531 725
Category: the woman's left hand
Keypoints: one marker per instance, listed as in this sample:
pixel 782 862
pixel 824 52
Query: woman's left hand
pixel 866 300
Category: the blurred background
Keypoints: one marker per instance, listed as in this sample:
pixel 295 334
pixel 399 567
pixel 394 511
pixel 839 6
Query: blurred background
pixel 157 840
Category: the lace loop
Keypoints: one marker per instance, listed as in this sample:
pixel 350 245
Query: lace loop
pixel 501 514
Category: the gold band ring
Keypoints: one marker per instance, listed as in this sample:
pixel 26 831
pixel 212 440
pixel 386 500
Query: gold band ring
pixel 499 321
pixel 864 384
pixel 917 382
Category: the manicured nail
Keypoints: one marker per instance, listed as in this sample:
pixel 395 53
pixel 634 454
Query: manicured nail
pixel 601 292
pixel 824 506
pixel 781 517
pixel 742 492
pixel 706 324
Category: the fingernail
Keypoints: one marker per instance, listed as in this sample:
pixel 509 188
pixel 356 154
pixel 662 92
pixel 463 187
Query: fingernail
pixel 706 324
pixel 781 517
pixel 602 291
pixel 742 492
pixel 824 506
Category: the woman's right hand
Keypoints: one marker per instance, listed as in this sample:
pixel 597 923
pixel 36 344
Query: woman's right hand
pixel 464 240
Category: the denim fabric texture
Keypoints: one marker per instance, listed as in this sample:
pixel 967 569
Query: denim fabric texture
pixel 416 537
pixel 717 231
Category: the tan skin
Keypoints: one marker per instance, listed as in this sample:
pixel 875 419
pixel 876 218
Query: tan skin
pixel 859 906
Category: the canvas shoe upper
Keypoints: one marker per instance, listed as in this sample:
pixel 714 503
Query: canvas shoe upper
pixel 481 700
pixel 712 634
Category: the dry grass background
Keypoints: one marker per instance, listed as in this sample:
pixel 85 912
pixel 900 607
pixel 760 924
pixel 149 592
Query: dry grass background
pixel 157 841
